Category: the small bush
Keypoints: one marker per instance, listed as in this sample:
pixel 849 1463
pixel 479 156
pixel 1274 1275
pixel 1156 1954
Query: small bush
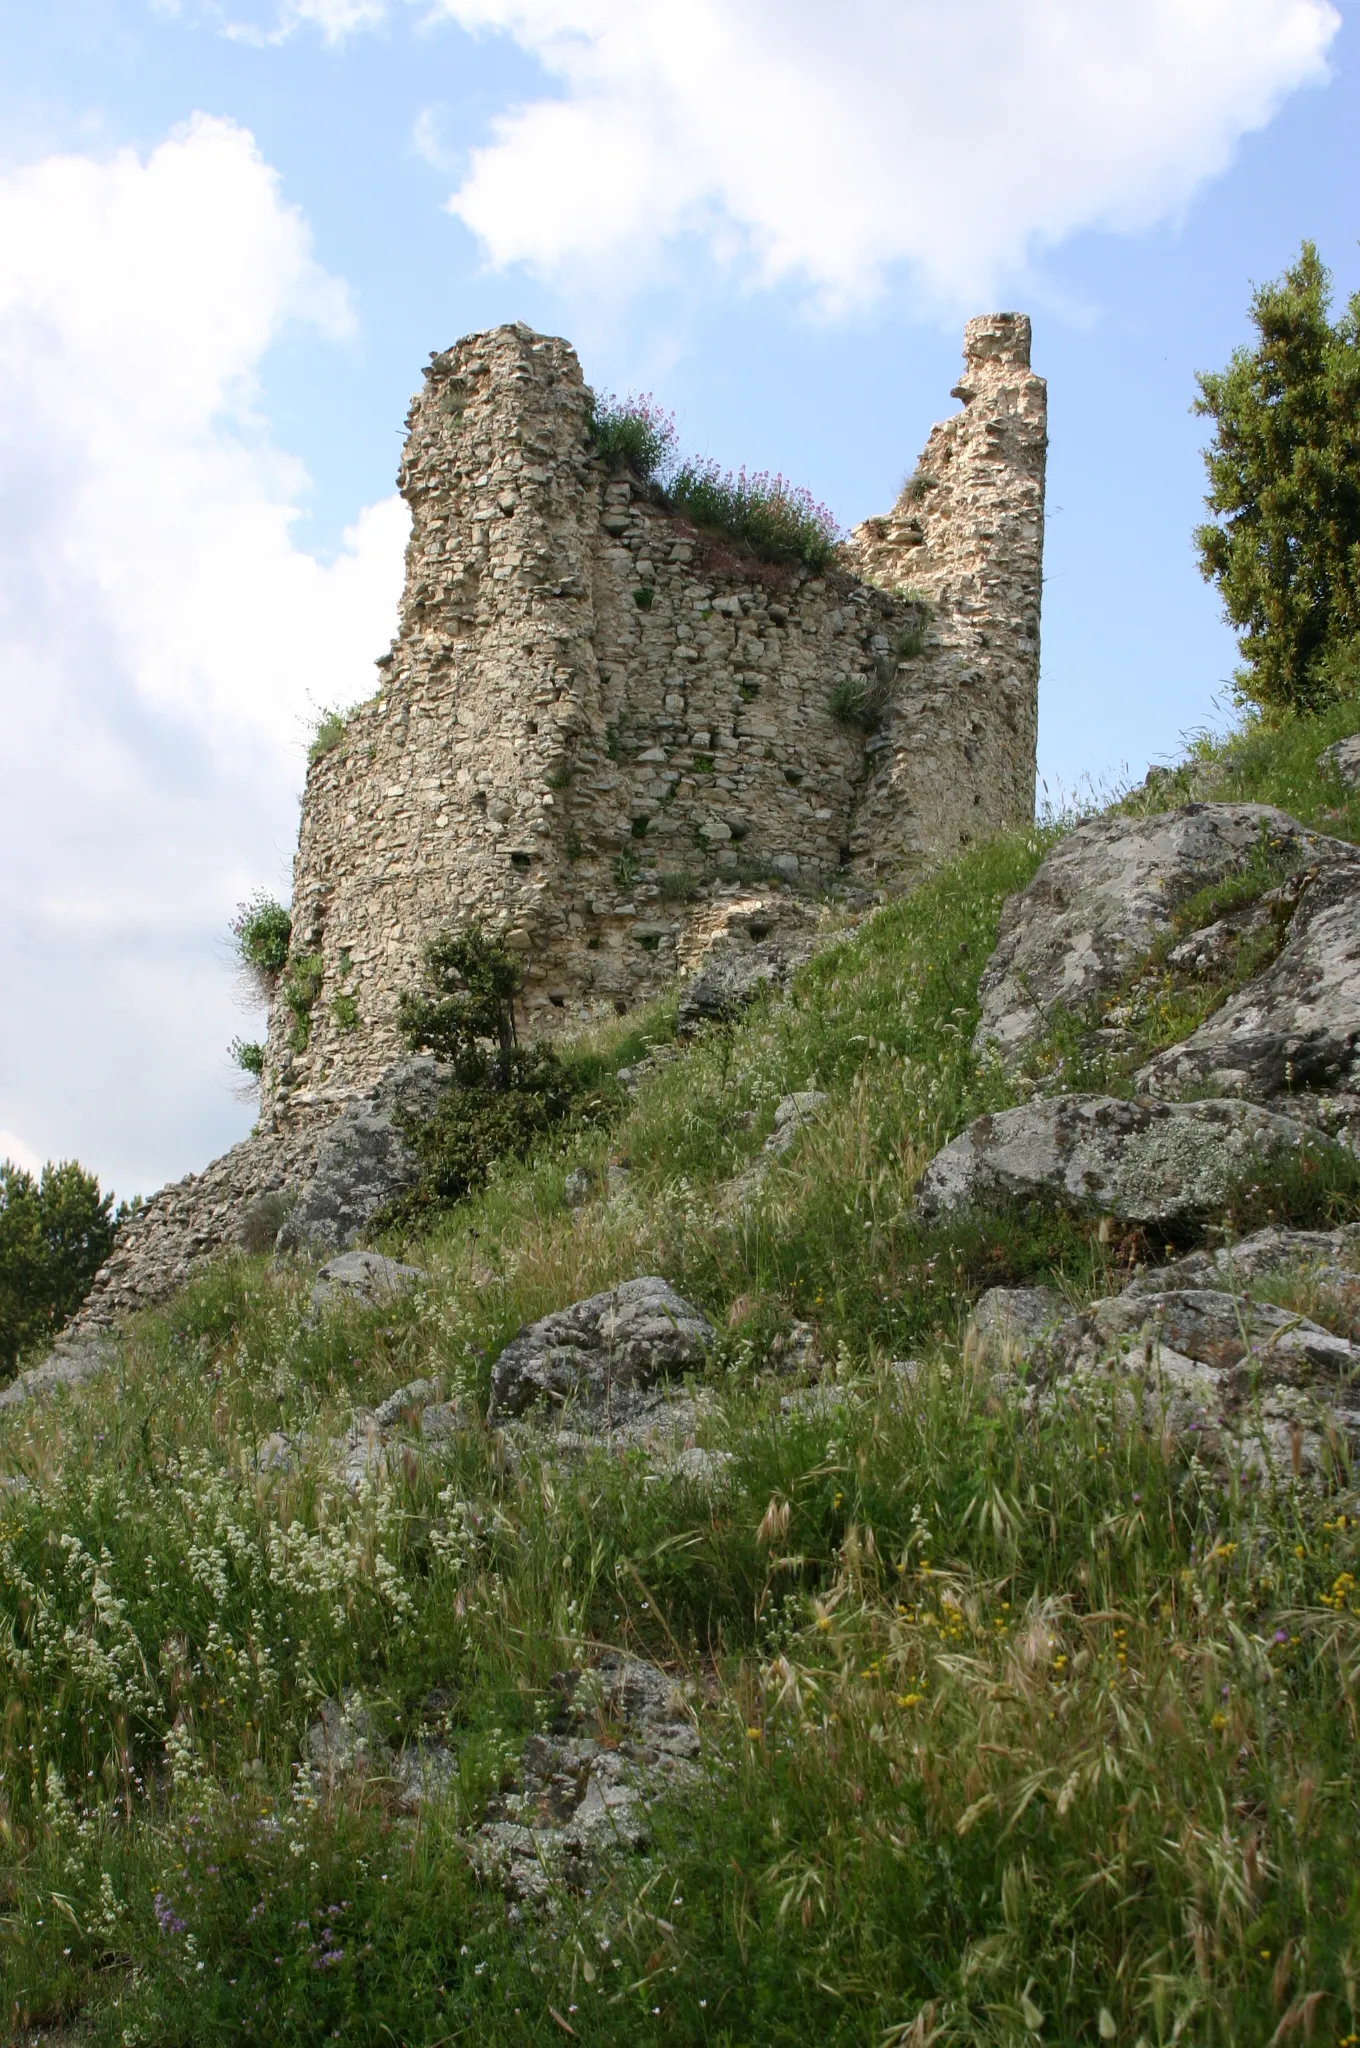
pixel 632 433
pixel 329 734
pixel 861 701
pixel 261 932
pixel 345 1011
pixel 625 871
pixel 679 887
pixel 248 1055
pixel 778 520
pixel 300 992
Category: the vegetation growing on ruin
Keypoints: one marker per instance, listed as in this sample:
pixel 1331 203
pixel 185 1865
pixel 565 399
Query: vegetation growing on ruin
pixel 777 520
pixel 328 734
pixel 1016 1725
pixel 632 433
pixel 261 932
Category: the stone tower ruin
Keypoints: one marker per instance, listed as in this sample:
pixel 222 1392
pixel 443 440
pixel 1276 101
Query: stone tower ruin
pixel 607 733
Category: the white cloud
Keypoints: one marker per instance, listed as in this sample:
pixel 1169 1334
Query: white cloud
pixel 162 636
pixel 827 144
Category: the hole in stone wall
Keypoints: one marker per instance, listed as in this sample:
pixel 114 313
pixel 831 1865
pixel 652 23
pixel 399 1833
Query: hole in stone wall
pixel 520 860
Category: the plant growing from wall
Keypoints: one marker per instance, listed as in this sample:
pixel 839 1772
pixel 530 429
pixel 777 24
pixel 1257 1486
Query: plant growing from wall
pixel 632 433
pixel 248 1054
pixel 778 520
pixel 345 1012
pixel 1283 543
pixel 261 932
pixel 300 991
pixel 508 1095
pixel 328 734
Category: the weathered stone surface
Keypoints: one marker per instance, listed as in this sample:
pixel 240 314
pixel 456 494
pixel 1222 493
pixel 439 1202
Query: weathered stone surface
pixel 1010 1324
pixel 1106 893
pixel 364 1277
pixel 1343 758
pixel 598 776
pixel 71 1362
pixel 1146 1161
pixel 791 1115
pixel 597 1355
pixel 1266 1251
pixel 193 1220
pixel 623 1736
pixel 1297 1025
pixel 362 1160
pixel 727 981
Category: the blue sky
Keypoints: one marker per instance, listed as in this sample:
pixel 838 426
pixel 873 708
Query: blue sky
pixel 231 234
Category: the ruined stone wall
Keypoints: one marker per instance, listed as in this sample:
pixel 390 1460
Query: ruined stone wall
pixel 603 731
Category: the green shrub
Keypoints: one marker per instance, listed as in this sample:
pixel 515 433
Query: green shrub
pixel 680 886
pixel 345 1011
pixel 55 1233
pixel 632 433
pixel 261 932
pixel 248 1055
pixel 777 520
pixel 862 701
pixel 328 734
pixel 300 991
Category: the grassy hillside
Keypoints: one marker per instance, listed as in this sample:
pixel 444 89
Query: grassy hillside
pixel 1015 1728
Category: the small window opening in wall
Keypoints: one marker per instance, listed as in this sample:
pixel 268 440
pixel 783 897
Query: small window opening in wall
pixel 557 997
pixel 639 828
pixel 643 598
pixel 792 777
pixel 520 860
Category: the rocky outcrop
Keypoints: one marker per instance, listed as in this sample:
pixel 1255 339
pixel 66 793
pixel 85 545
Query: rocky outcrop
pixel 1342 759
pixel 363 1159
pixel 364 1277
pixel 1295 1028
pixel 1250 1383
pixel 74 1359
pixel 1144 1161
pixel 1107 893
pixel 602 1359
pixel 624 1735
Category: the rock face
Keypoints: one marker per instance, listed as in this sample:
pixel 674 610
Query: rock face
pixel 1343 759
pixel 73 1360
pixel 1256 1386
pixel 364 1277
pixel 362 1159
pixel 1145 1161
pixel 727 981
pixel 623 1736
pixel 1296 1027
pixel 1106 893
pixel 598 1356
pixel 596 726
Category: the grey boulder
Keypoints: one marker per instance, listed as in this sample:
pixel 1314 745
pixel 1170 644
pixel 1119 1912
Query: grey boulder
pixel 1011 1324
pixel 364 1277
pixel 70 1363
pixel 1297 1025
pixel 1144 1161
pixel 363 1160
pixel 1343 759
pixel 1105 894
pixel 731 977
pixel 599 1353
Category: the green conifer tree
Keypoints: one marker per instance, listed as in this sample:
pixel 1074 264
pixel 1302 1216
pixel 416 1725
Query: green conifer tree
pixel 1284 474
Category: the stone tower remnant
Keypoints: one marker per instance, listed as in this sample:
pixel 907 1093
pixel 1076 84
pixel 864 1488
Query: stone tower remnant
pixel 608 734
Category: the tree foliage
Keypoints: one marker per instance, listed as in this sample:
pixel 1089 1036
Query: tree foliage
pixel 1284 490
pixel 55 1233
pixel 467 1003
pixel 509 1095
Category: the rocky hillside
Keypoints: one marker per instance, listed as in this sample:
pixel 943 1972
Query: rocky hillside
pixel 858 1545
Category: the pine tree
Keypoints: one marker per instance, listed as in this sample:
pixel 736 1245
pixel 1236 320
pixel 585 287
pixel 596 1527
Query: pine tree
pixel 1284 476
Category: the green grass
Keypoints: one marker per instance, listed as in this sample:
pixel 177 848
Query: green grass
pixel 1018 1725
